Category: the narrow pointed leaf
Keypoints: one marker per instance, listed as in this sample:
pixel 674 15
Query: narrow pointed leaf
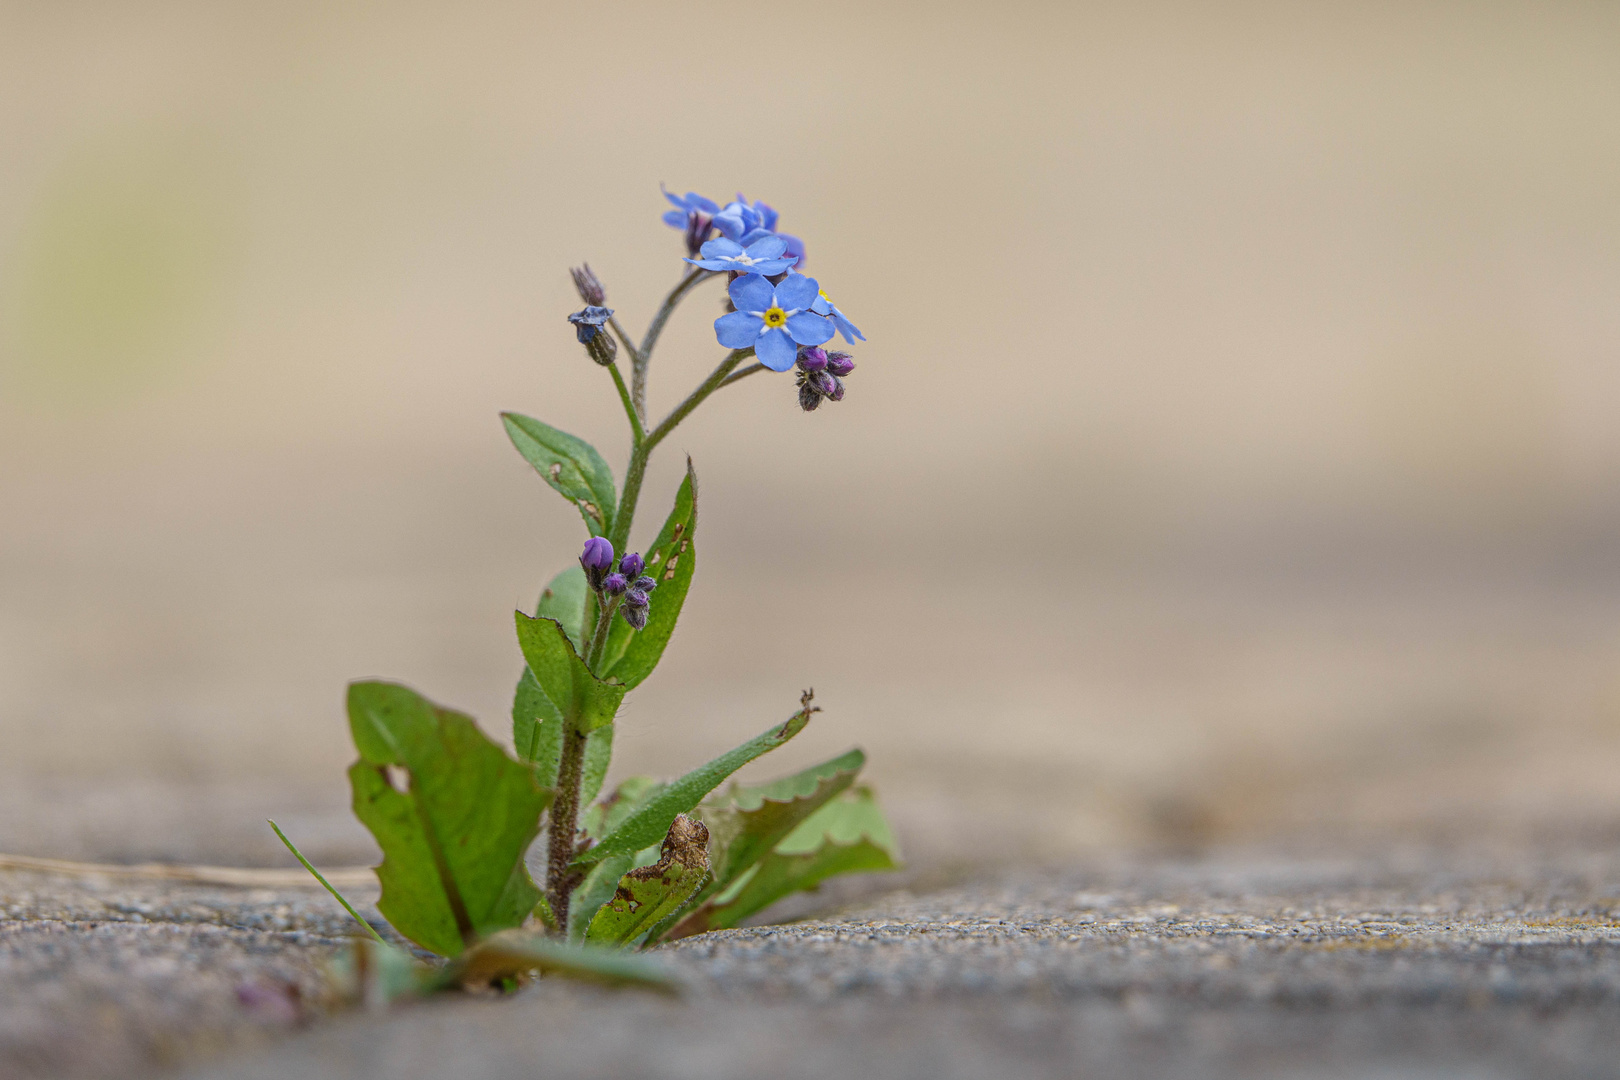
pixel 647 895
pixel 746 824
pixel 569 464
pixel 847 836
pixel 536 729
pixel 583 700
pixel 631 655
pixel 453 840
pixel 652 819
pixel 517 953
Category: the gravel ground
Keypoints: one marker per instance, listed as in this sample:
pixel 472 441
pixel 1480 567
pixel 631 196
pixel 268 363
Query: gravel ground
pixel 1243 963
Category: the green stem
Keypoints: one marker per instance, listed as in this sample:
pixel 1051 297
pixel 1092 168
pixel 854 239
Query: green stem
pixel 629 408
pixel 560 881
pixel 743 374
pixel 636 471
pixel 640 357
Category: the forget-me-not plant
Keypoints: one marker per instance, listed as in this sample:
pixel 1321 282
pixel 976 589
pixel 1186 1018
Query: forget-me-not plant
pixel 455 813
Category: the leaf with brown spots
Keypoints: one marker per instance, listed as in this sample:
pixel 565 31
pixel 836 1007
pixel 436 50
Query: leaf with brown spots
pixel 648 894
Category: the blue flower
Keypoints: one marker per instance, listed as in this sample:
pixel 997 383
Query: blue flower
pixel 773 320
pixel 763 256
pixel 743 222
pixel 824 306
pixel 685 207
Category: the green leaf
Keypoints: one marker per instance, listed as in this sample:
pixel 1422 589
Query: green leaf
pixel 583 700
pixel 453 839
pixel 516 953
pixel 645 896
pixel 603 817
pixel 631 655
pixel 594 767
pixel 570 465
pixel 599 884
pixel 847 836
pixel 536 729
pixel 563 599
pixel 750 821
pixel 648 824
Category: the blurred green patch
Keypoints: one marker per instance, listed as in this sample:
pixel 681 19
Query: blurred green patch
pixel 120 263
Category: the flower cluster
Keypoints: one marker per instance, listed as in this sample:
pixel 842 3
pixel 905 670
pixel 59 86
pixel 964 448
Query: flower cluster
pixel 778 312
pixel 821 375
pixel 627 586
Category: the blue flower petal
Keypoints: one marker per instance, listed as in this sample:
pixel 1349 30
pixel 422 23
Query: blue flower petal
pixel 796 292
pixel 767 216
pixel 767 247
pixel 775 349
pixel 694 201
pixel 808 329
pixel 720 248
pixel 738 329
pixel 675 218
pixel 795 247
pixel 821 305
pixel 769 268
pixel 751 292
pixel 730 223
pixel 850 331
pixel 680 203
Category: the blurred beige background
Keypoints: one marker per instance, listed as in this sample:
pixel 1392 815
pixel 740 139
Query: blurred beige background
pixel 1234 451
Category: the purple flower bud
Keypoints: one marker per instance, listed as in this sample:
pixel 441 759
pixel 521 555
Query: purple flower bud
pixel 634 614
pixel 812 358
pixel 589 286
pixel 823 382
pixel 596 558
pixel 698 227
pixel 614 584
pixel 840 363
pixel 837 391
pixel 644 585
pixel 809 399
pixel 631 565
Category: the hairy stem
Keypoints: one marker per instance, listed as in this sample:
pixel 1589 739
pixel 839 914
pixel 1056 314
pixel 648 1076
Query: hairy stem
pixel 640 357
pixel 743 374
pixel 564 824
pixel 636 430
pixel 564 827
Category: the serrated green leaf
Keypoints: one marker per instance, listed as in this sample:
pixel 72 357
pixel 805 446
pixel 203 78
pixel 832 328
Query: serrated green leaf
pixel 453 841
pixel 631 655
pixel 846 836
pixel 583 700
pixel 645 896
pixel 569 464
pixel 563 599
pixel 749 821
pixel 648 824
pixel 517 953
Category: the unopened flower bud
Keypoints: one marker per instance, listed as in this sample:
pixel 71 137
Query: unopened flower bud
pixel 631 565
pixel 635 615
pixel 698 227
pixel 812 358
pixel 588 325
pixel 644 584
pixel 823 382
pixel 614 584
pixel 596 559
pixel 840 363
pixel 809 399
pixel 588 284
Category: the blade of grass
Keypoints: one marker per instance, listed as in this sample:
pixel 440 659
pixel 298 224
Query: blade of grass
pixel 299 855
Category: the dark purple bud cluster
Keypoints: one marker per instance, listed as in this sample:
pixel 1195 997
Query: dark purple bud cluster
pixel 638 585
pixel 626 583
pixel 588 325
pixel 699 226
pixel 821 375
pixel 589 286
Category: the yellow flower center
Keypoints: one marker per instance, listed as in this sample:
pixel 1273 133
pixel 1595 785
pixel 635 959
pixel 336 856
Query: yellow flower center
pixel 775 317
